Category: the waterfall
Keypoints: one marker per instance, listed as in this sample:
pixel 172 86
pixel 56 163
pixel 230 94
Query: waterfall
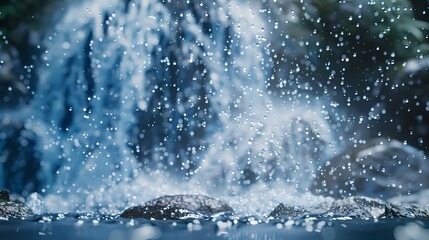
pixel 136 95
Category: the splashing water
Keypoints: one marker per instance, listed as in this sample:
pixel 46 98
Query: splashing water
pixel 138 99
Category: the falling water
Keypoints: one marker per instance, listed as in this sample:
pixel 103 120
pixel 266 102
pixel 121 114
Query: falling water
pixel 142 98
pixel 138 99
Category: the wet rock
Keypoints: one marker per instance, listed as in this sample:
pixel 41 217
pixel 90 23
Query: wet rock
pixel 348 210
pixel 357 207
pixel 4 195
pixel 288 211
pixel 159 212
pixel 353 207
pixel 394 210
pixel 381 168
pixel 12 208
pixel 177 207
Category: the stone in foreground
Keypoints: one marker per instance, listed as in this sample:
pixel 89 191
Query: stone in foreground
pixel 12 209
pixel 355 207
pixel 177 207
pixel 403 211
pixel 288 211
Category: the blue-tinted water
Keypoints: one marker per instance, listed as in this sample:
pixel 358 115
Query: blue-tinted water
pixel 145 98
pixel 139 99
pixel 90 226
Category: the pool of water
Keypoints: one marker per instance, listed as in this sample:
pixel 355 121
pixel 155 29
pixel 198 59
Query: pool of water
pixel 90 226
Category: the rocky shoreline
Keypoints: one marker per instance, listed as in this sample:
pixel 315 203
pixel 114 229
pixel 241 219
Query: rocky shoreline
pixel 197 206
pixel 181 207
pixel 12 208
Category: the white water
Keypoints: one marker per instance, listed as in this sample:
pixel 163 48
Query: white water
pixel 125 113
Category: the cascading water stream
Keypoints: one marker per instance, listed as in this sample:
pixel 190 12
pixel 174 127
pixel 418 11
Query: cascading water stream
pixel 142 98
pixel 224 119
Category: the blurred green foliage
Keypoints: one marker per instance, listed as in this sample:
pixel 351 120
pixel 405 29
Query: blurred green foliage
pixel 388 25
pixel 369 57
pixel 341 41
pixel 22 23
pixel 18 17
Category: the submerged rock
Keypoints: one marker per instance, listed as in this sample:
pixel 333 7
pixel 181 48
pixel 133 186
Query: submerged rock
pixel 381 168
pixel 177 207
pixel 12 208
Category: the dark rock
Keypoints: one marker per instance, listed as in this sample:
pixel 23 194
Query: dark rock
pixel 288 211
pixel 12 208
pixel 348 210
pixel 354 207
pixel 380 168
pixel 4 195
pixel 393 210
pixel 159 212
pixel 357 207
pixel 177 207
